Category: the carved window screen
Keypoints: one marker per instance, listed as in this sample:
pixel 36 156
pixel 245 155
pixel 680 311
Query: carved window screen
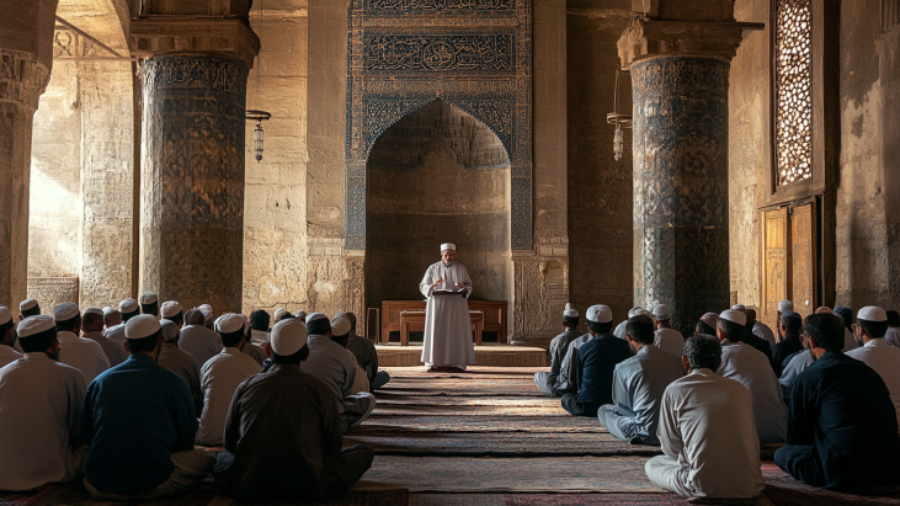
pixel 793 91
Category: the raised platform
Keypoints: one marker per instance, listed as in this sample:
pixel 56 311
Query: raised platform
pixel 497 355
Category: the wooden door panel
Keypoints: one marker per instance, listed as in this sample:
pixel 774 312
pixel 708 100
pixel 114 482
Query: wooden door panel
pixel 803 259
pixel 776 257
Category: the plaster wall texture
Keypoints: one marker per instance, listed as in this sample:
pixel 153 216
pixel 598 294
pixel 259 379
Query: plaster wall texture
pixel 275 251
pixel 599 188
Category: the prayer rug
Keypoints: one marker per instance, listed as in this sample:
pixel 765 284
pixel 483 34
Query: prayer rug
pixel 461 390
pixel 76 495
pixel 485 423
pixel 466 411
pixel 447 400
pixel 781 488
pixel 518 475
pixel 393 497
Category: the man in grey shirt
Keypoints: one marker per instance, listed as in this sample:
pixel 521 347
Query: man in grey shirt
pixel 366 355
pixel 92 328
pixel 180 362
pixel 550 382
pixel 638 386
pixel 201 342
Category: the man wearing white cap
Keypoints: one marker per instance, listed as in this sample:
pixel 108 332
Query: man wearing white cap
pixel 448 326
pixel 550 382
pixel 875 352
pixel 221 376
pixel 280 313
pixel 29 307
pixel 340 333
pixel 83 354
pixel 784 305
pixel 150 304
pixel 638 386
pixel 365 353
pixel 41 415
pixel 7 338
pixel 707 325
pixel 201 342
pixel 253 351
pixel 593 363
pixel 92 328
pixel 334 366
pixel 140 425
pixel 620 328
pixel 129 308
pixel 283 438
pixel 667 338
pixel 180 362
pixel 744 364
pixel 173 311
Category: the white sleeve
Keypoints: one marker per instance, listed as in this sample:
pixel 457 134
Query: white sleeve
pixel 426 286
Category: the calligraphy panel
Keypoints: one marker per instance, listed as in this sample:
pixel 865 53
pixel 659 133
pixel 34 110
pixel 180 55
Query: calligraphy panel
pixel 454 53
pixel 406 7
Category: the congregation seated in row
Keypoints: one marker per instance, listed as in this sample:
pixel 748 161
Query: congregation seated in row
pixel 266 421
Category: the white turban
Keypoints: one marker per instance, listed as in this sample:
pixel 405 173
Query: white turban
pixel 448 246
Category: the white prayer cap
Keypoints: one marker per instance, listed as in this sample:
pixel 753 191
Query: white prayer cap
pixel 570 311
pixel 872 314
pixel 27 304
pixel 315 316
pixel 66 311
pixel 448 246
pixel 201 307
pixel 340 326
pixel 599 314
pixel 207 314
pixel 141 326
pixel 661 312
pixel 785 305
pixel 636 310
pixel 128 306
pixel 300 315
pixel 734 316
pixel 711 319
pixel 246 322
pixel 279 313
pixel 288 337
pixel 108 310
pixel 739 307
pixel 170 308
pixel 170 331
pixel 229 323
pixel 93 310
pixel 35 325
pixel 5 315
pixel 149 298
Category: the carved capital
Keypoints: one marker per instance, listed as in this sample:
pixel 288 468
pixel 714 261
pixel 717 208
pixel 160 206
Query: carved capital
pixel 647 38
pixel 23 79
pixel 163 35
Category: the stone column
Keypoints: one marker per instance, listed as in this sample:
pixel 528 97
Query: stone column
pixel 192 174
pixel 679 74
pixel 26 58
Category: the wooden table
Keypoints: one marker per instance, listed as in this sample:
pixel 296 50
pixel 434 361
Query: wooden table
pixel 494 314
pixel 414 321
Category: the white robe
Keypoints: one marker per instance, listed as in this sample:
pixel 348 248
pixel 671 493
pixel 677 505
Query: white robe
pixel 448 326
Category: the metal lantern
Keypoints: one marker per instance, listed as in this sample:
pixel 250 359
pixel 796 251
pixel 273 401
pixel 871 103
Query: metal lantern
pixel 259 135
pixel 619 120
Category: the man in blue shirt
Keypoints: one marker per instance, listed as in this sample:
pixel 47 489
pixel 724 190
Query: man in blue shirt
pixel 842 428
pixel 140 424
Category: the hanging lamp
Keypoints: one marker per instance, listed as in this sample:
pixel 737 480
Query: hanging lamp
pixel 620 121
pixel 259 134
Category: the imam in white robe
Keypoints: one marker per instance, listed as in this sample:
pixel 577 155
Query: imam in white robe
pixel 747 365
pixel 448 326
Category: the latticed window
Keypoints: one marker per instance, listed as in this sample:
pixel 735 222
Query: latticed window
pixel 793 90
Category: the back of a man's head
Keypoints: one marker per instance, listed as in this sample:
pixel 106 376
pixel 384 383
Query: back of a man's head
pixel 599 328
pixel 194 317
pixel 641 329
pixel 318 327
pixel 92 322
pixel 68 325
pixel 893 318
pixel 259 320
pixel 703 352
pixel 733 332
pixel 792 322
pixel 826 330
pixel 112 318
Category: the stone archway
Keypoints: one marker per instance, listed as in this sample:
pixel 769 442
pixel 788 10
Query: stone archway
pixel 437 175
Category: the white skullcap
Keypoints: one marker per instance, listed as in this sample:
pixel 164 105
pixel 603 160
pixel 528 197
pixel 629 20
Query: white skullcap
pixel 661 312
pixel 739 307
pixel 599 314
pixel 170 308
pixel 128 306
pixel 5 315
pixel 34 325
pixel 207 314
pixel 65 311
pixel 246 322
pixel 785 305
pixel 315 316
pixel 279 313
pixel 570 311
pixel 288 337
pixel 711 319
pixel 149 298
pixel 141 326
pixel 448 246
pixel 301 314
pixel 340 326
pixel 170 331
pixel 636 310
pixel 93 310
pixel 872 314
pixel 734 316
pixel 27 304
pixel 229 323
pixel 108 310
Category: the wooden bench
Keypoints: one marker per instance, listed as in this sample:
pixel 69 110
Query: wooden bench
pixel 414 321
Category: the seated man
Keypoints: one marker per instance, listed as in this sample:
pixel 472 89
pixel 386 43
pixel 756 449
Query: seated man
pixel 549 382
pixel 140 425
pixel 92 328
pixel 283 438
pixel 29 307
pixel 706 431
pixel 220 377
pixel 128 309
pixel 790 324
pixel 593 363
pixel 843 429
pixel 257 353
pixel 83 354
pixel 638 386
pixel 620 328
pixel 707 325
pixel 150 304
pixel 196 339
pixel 365 353
pixel 40 418
pixel 667 338
pixel 752 369
pixel 8 354
pixel 340 333
pixel 760 329
pixel 846 315
pixel 892 336
pixel 333 365
pixel 876 353
pixel 259 325
pixel 751 339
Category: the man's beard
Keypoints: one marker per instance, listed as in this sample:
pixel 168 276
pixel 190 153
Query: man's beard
pixel 448 263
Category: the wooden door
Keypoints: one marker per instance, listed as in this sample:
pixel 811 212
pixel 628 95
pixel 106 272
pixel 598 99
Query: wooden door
pixel 776 258
pixel 803 258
